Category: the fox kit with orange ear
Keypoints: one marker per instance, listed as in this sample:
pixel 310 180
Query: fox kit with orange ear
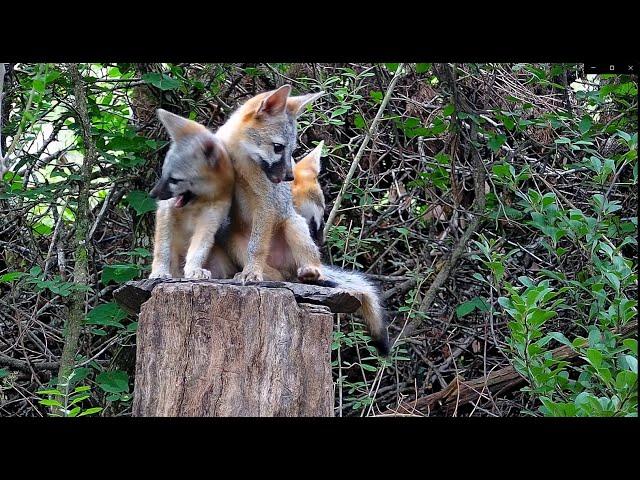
pixel 194 197
pixel 260 137
pixel 308 198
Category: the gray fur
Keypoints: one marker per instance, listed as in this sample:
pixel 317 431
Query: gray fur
pixel 183 162
pixel 276 129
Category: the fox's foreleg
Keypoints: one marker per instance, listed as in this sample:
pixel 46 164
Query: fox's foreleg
pixel 304 251
pixel 207 224
pixel 161 266
pixel 262 230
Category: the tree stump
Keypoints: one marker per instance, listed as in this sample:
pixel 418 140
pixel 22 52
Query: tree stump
pixel 216 348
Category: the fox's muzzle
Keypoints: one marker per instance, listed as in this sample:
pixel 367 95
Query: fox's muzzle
pixel 278 171
pixel 161 191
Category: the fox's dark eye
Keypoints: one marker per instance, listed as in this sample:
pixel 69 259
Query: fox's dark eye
pixel 278 148
pixel 173 181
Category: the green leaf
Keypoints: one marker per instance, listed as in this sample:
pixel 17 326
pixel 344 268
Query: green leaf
pixel 358 121
pixel 3 372
pixel 501 170
pixel 615 281
pixel 448 110
pixel 422 67
pixel 631 344
pixel 140 252
pixel 161 81
pixel 626 379
pixel 132 327
pixel 538 316
pixel 595 357
pixel 49 392
pixel 624 135
pixel 561 338
pixel 585 124
pixel 79 399
pixel 465 308
pixel 108 314
pixel 339 111
pixel 50 403
pixel 90 411
pixel 119 273
pixel 508 122
pixel 141 202
pixel 78 375
pixel 74 412
pixel 376 96
pixel 11 276
pixel 496 141
pixel 113 382
pixel 631 362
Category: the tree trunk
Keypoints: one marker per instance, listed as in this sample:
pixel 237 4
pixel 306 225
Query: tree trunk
pixel 214 349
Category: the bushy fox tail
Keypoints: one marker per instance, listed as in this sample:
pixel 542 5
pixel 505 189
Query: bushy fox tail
pixel 372 311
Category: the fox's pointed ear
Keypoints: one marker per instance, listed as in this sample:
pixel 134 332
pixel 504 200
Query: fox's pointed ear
pixel 177 126
pixel 312 160
pixel 296 105
pixel 275 102
pixel 213 149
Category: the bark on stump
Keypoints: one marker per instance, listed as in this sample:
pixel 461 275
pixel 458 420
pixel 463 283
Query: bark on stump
pixel 215 348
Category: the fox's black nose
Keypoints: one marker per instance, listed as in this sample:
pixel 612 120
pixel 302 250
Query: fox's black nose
pixel 160 191
pixel 288 177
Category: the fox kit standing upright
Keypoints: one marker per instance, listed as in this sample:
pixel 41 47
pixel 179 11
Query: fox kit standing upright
pixel 260 137
pixel 268 238
pixel 194 193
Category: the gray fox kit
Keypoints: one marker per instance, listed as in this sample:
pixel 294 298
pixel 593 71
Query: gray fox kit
pixel 267 237
pixel 194 193
pixel 260 137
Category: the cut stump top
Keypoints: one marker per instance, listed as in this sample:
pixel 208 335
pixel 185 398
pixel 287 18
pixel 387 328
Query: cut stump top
pixel 133 294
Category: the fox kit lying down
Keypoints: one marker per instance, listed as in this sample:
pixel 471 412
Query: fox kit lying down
pixel 194 193
pixel 267 238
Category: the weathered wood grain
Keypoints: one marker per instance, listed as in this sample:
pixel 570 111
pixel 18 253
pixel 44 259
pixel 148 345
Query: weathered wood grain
pixel 134 293
pixel 221 349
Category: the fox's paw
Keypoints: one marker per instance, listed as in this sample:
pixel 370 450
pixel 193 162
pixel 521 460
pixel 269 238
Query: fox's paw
pixel 308 274
pixel 249 276
pixel 196 273
pixel 162 275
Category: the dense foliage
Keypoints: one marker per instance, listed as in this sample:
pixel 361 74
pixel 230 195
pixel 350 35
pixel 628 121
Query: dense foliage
pixel 495 205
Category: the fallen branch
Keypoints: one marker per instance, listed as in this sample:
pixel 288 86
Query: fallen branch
pixel 460 392
pixel 24 366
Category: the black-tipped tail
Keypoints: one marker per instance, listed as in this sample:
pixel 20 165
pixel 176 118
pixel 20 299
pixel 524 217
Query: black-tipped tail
pixel 382 344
